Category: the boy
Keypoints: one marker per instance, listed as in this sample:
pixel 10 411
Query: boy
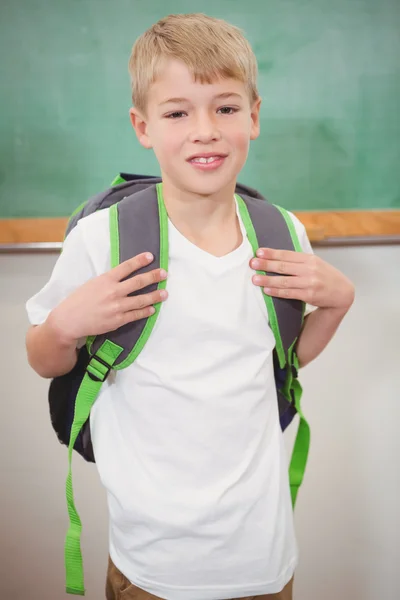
pixel 187 439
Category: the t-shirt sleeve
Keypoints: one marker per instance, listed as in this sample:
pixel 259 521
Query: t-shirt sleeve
pixel 306 247
pixel 73 268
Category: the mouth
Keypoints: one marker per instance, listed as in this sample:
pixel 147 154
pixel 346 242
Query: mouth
pixel 207 161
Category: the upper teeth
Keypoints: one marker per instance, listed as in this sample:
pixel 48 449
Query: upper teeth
pixel 202 159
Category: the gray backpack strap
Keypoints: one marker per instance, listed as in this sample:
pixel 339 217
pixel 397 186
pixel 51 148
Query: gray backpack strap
pixel 114 194
pixel 267 227
pixel 139 223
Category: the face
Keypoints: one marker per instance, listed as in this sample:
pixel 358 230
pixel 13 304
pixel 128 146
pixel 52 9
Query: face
pixel 200 133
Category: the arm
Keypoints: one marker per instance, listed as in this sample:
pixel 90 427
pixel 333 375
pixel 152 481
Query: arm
pixel 49 353
pixel 308 278
pixel 319 328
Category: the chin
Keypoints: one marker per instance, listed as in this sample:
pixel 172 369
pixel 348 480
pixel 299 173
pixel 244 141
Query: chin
pixel 210 188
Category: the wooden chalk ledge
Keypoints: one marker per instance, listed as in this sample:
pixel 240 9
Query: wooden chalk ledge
pixel 321 227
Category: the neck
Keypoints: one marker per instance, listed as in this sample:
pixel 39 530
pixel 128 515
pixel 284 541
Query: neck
pixel 199 212
pixel 210 222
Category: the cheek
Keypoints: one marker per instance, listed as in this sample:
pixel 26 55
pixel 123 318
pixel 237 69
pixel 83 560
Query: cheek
pixel 239 134
pixel 166 144
pixel 241 142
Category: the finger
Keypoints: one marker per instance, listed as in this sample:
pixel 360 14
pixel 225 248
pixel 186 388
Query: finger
pixel 287 293
pixel 276 281
pixel 283 255
pixel 136 315
pixel 139 282
pixel 278 266
pixel 131 265
pixel 142 301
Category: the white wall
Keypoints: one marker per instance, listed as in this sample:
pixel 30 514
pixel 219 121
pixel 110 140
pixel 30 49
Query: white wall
pixel 347 515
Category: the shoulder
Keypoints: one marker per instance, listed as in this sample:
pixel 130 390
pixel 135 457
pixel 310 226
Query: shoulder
pixel 91 237
pixel 96 221
pixel 301 233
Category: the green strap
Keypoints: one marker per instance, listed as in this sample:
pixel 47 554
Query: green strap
pixel 301 446
pixel 98 367
pixel 302 443
pixel 117 180
pixel 273 320
pixel 115 260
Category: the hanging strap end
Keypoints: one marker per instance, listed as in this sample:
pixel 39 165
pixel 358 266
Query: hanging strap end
pixel 74 591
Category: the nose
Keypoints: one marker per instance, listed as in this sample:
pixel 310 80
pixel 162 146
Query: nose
pixel 205 130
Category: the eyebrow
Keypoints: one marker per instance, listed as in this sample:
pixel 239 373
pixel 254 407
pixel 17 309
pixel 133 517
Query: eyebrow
pixel 218 97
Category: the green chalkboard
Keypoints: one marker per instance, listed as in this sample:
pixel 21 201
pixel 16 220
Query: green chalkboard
pixel 329 79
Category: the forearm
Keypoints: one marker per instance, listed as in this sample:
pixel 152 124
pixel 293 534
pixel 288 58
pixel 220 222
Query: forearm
pixel 318 330
pixel 50 354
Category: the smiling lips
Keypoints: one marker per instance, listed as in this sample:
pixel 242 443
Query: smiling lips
pixel 204 160
pixel 207 161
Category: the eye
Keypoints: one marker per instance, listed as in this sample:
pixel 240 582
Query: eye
pixel 228 110
pixel 175 115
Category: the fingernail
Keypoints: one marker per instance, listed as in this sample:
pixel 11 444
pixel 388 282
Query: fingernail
pixel 255 263
pixel 257 279
pixel 149 256
pixel 260 252
pixel 267 290
pixel 163 294
pixel 163 273
pixel 152 310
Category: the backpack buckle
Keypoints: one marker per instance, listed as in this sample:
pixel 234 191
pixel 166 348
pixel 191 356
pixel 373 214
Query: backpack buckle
pixel 97 369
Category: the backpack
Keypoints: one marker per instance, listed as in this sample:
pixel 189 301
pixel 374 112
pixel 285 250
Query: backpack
pixel 139 223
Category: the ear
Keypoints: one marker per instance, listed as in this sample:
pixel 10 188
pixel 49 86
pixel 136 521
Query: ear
pixel 140 126
pixel 255 120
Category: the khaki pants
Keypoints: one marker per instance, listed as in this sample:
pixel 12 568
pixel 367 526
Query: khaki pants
pixel 118 587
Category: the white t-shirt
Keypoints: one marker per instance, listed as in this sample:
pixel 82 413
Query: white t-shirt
pixel 187 439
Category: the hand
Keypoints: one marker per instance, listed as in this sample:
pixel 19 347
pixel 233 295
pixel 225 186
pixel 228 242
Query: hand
pixel 103 303
pixel 303 277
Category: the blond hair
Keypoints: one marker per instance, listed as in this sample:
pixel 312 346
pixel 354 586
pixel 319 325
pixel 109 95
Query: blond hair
pixel 211 48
